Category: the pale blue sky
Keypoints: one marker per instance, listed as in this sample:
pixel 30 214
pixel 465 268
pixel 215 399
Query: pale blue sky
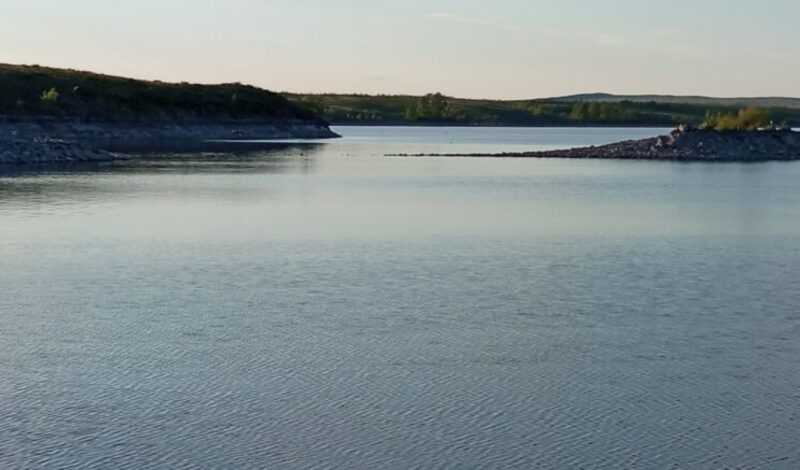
pixel 471 48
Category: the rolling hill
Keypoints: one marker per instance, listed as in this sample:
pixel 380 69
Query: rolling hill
pixel 595 109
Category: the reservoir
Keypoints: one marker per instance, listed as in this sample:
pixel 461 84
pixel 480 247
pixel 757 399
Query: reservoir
pixel 319 304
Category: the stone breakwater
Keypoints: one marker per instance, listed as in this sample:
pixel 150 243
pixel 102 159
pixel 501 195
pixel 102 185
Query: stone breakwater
pixel 683 144
pixel 53 141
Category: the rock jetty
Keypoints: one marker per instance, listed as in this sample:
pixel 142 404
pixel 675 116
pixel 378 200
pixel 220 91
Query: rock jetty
pixel 685 144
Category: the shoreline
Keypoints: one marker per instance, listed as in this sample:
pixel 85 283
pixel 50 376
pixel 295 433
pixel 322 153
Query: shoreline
pixel 501 125
pixel 42 140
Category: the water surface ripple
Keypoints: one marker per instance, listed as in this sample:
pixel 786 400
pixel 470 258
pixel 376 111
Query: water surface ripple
pixel 326 307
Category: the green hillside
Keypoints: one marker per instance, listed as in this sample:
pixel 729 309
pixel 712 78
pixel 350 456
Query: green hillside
pixel 42 91
pixel 579 110
pixel 765 102
pixel 61 93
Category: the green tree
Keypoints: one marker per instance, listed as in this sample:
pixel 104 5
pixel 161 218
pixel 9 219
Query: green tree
pixel 431 107
pixel 579 112
pixel 604 112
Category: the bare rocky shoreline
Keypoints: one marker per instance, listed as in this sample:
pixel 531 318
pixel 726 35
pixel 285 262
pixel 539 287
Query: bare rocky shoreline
pixel 682 144
pixel 39 140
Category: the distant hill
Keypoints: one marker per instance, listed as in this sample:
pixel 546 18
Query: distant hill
pixel 61 93
pixel 69 94
pixel 408 109
pixel 595 109
pixel 764 102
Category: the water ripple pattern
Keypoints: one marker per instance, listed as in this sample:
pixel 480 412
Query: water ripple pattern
pixel 257 313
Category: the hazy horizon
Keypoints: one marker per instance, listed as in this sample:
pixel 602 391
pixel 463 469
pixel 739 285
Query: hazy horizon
pixel 508 50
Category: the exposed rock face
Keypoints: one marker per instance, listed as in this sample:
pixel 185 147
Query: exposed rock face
pixel 51 140
pixel 692 145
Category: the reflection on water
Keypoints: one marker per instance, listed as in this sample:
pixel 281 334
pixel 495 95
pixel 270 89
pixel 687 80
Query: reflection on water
pixel 323 306
pixel 80 183
pixel 244 156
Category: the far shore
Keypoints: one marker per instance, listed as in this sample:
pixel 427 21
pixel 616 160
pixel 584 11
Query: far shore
pixel 500 125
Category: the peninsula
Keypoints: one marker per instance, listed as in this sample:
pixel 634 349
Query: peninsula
pixel 746 136
pixel 682 144
pixel 58 115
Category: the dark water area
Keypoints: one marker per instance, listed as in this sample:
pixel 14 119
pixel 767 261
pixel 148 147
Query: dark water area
pixel 321 305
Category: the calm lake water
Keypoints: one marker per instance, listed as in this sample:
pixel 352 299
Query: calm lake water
pixel 322 305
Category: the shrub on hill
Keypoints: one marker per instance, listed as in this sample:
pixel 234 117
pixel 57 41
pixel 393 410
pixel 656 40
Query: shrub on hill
pixel 750 118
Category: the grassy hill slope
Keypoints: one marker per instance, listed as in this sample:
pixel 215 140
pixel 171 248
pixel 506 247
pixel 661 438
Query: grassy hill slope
pixel 764 102
pixel 61 93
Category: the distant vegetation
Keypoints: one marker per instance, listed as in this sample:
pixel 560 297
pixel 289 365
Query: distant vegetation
pixel 746 119
pixel 772 102
pixel 59 93
pixel 580 110
pixel 431 107
pixel 40 91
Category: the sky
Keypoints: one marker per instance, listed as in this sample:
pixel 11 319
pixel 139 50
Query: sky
pixel 504 49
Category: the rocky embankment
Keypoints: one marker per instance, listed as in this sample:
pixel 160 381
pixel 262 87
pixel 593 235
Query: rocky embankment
pixel 15 150
pixel 685 144
pixel 39 140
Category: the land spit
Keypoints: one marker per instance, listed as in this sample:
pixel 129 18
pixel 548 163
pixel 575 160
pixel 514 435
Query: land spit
pixel 682 144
